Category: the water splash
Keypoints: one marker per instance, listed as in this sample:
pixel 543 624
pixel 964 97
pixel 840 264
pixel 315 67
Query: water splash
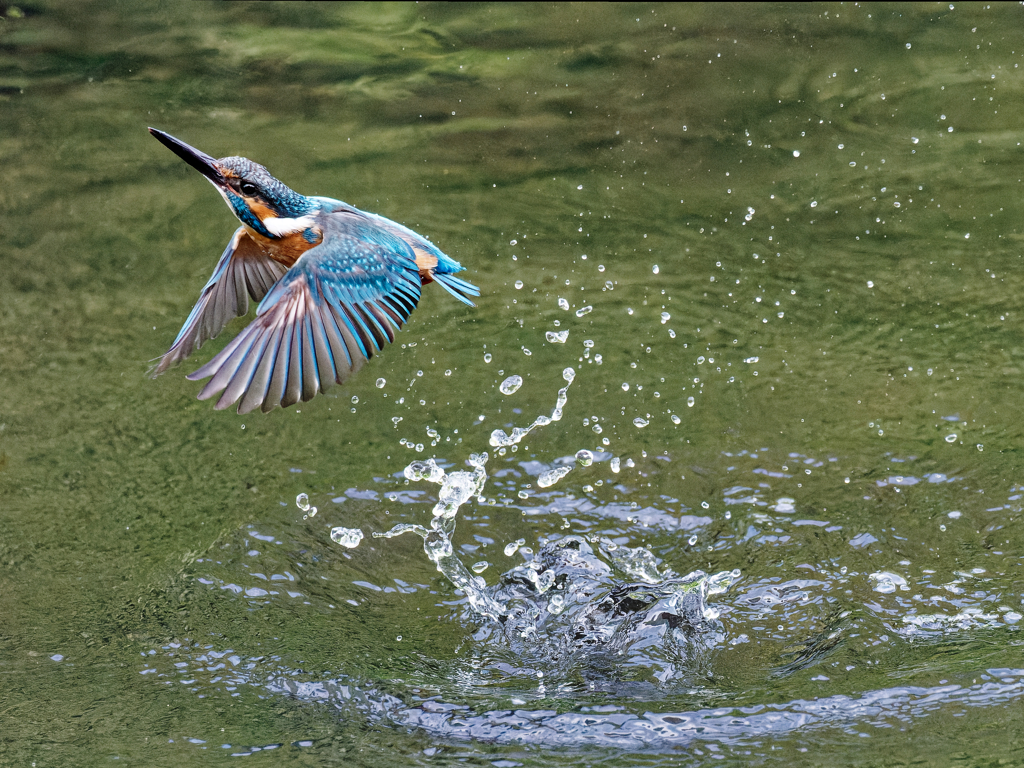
pixel 499 439
pixel 568 607
pixel 557 337
pixel 637 563
pixel 456 489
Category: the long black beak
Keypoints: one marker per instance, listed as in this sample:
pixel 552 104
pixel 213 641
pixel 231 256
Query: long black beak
pixel 201 161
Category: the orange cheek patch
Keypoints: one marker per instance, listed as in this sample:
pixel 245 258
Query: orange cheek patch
pixel 260 211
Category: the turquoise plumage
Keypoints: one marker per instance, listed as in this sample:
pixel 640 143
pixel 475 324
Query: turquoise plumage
pixel 333 284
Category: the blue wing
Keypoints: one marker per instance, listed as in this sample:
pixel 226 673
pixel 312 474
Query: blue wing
pixel 433 263
pixel 243 270
pixel 339 304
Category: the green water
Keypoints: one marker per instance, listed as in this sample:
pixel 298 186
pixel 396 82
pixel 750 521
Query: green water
pixel 805 218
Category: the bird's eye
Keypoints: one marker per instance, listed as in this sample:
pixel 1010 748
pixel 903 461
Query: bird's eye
pixel 248 188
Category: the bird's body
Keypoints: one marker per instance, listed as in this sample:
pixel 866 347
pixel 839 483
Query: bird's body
pixel 333 282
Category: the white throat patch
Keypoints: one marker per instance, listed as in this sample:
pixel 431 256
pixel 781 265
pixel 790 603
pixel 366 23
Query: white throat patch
pixel 280 227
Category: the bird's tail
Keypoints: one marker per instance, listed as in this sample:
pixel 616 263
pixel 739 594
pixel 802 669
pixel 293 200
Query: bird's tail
pixel 457 287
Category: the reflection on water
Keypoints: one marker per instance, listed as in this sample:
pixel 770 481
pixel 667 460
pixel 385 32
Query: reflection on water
pixel 592 641
pixel 779 249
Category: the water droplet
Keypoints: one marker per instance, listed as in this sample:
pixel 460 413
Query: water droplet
pixel 625 387
pixel 871 284
pixel 584 311
pixel 640 422
pixel 513 242
pixel 479 567
pixel 346 537
pixel 424 470
pixel 887 583
pixel 381 383
pixel 614 463
pixel 513 546
pixel 951 438
pixel 568 374
pixel 302 502
pixel 523 495
pixel 552 476
pixel 556 604
pixel 557 337
pixel 519 284
pixel 527 352
pixel 796 153
pixel 448 372
pixel 676 419
pixel 563 304
pixel 690 401
pixel 655 269
pixel 814 204
pixel 584 458
pixel 665 317
pixel 511 385
pixel 355 399
pixel 487 357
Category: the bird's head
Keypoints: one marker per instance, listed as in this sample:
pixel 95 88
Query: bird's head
pixel 262 203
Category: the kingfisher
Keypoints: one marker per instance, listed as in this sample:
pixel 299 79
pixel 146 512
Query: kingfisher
pixel 333 284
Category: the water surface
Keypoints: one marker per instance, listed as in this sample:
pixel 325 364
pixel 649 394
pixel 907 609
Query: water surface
pixel 784 243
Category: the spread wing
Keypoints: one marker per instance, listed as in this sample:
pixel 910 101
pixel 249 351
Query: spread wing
pixel 339 304
pixel 432 262
pixel 244 270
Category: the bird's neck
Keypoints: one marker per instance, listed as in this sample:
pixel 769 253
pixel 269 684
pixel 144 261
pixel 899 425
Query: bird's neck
pixel 284 238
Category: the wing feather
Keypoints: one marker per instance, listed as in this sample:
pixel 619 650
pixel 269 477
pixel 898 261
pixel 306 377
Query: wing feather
pixel 256 392
pixel 293 382
pixel 325 360
pixel 338 305
pixel 309 365
pixel 224 297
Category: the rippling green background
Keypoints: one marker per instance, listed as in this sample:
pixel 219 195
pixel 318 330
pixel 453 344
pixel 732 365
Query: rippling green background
pixel 806 218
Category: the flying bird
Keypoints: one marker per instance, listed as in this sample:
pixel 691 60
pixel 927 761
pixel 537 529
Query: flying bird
pixel 333 284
